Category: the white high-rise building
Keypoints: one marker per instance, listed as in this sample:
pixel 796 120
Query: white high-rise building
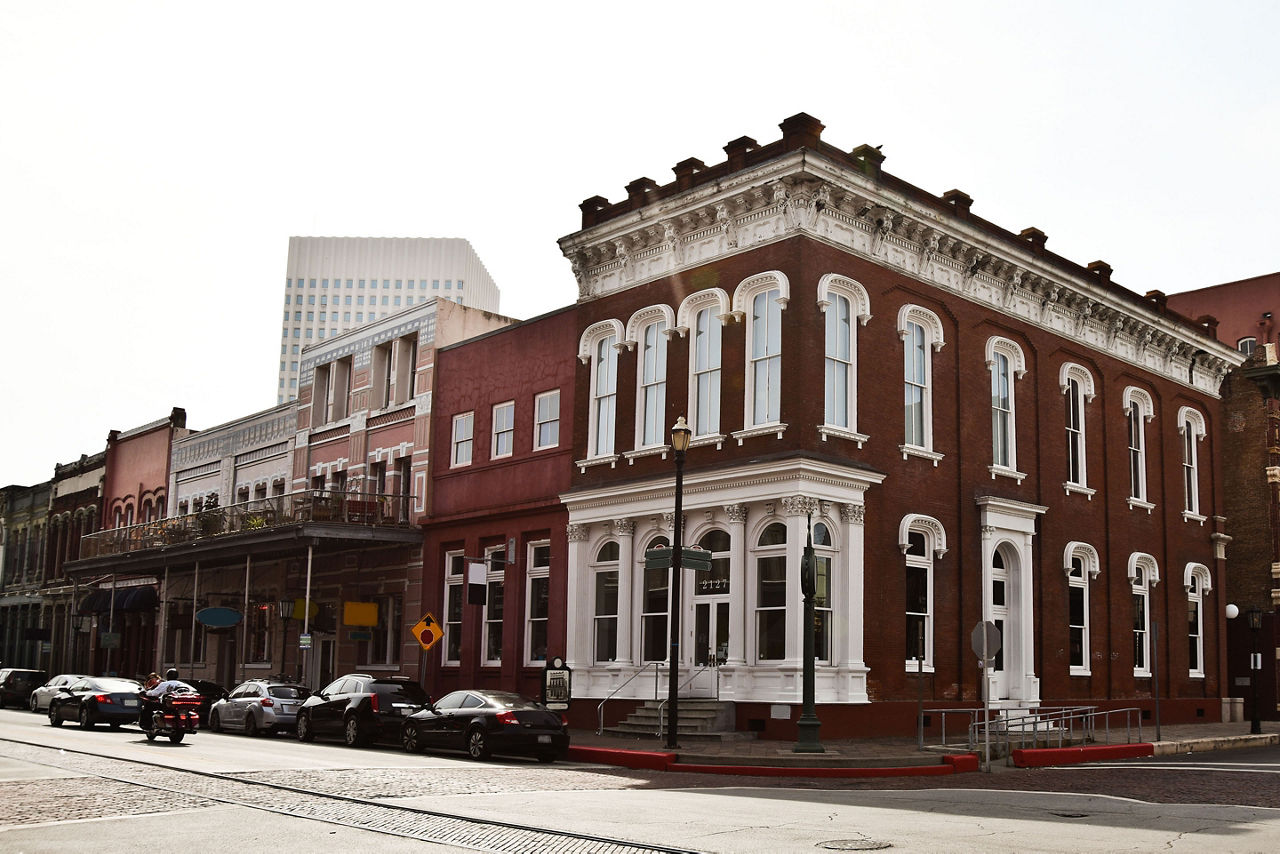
pixel 333 284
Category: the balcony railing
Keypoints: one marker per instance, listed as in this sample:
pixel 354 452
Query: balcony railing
pixel 313 505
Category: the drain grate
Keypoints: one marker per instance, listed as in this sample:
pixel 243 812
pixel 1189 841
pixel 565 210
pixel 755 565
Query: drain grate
pixel 855 845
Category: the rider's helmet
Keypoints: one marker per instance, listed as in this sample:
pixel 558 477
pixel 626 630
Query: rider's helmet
pixel 171 673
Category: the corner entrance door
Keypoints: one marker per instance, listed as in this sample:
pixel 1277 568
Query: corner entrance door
pixel 710 642
pixel 999 594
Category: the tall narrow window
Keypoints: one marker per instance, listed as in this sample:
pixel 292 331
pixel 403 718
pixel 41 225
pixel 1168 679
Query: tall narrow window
pixel 653 385
pixel 1006 363
pixel 654 642
pixel 766 358
pixel 604 396
pixel 494 606
pixel 1142 577
pixel 771 594
pixel 919 601
pixel 1191 426
pixel 537 603
pixel 1139 409
pixel 606 604
pixel 1197 584
pixel 706 373
pixel 1001 412
pixel 455 565
pixel 822 606
pixel 504 429
pixel 1078 615
pixel 916 367
pixel 839 363
pixel 1075 432
pixel 546 420
pixel 463 425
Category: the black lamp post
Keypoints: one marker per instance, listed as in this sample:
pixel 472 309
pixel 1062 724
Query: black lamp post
pixel 1255 672
pixel 680 436
pixel 807 734
pixel 286 612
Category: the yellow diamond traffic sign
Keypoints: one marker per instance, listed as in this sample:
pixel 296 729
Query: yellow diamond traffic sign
pixel 427 631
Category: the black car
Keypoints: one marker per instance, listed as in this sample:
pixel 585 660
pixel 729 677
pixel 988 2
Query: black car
pixel 17 683
pixel 487 722
pixel 361 709
pixel 95 700
pixel 210 693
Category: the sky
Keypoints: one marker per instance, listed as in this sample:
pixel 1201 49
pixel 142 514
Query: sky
pixel 155 157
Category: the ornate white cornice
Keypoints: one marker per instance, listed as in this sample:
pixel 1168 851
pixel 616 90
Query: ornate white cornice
pixel 805 193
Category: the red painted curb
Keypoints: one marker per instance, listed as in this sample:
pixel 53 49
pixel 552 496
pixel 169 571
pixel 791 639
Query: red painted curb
pixel 1046 756
pixel 771 771
pixel 646 760
pixel 652 760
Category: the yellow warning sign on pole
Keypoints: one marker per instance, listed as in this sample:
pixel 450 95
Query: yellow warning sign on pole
pixel 427 631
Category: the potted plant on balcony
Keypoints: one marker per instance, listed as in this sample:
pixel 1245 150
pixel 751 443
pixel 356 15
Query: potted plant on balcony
pixel 211 517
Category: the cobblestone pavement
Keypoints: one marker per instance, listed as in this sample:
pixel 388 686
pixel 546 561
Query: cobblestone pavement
pixel 24 802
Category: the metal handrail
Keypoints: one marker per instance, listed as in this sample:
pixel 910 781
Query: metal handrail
pixel 1020 727
pixel 600 708
pixel 663 705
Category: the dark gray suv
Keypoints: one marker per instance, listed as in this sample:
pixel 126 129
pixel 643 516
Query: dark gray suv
pixel 360 708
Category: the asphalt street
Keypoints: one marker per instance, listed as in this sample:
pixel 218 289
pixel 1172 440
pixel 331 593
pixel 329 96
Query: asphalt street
pixel 50 800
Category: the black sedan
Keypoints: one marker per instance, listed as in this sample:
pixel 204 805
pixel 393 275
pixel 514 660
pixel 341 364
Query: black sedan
pixel 487 722
pixel 210 693
pixel 93 701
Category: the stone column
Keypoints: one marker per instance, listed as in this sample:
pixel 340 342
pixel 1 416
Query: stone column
pixel 737 514
pixel 625 530
pixel 577 584
pixel 797 509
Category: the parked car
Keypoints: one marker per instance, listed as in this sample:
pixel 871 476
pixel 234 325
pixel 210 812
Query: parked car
pixel 41 696
pixel 259 706
pixel 17 683
pixel 95 700
pixel 487 722
pixel 361 709
pixel 210 693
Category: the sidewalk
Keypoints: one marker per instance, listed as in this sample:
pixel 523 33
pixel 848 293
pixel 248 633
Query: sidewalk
pixel 877 757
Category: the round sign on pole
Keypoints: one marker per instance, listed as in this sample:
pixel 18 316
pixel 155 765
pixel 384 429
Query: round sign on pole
pixel 985 638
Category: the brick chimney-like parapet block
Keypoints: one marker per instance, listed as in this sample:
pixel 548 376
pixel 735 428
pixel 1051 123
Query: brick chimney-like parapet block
pixel 801 131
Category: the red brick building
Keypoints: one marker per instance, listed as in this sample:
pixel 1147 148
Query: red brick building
pixel 1245 312
pixel 969 426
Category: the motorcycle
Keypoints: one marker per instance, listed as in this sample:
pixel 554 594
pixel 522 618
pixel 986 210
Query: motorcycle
pixel 173 715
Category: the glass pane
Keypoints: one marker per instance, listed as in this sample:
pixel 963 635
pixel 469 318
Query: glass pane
pixel 702 635
pixel 915 636
pixel 917 590
pixel 606 593
pixel 606 639
pixel 539 596
pixel 771 634
pixel 655 642
pixel 772 582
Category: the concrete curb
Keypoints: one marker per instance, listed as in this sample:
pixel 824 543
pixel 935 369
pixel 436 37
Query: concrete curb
pixel 1202 745
pixel 652 760
pixel 1044 757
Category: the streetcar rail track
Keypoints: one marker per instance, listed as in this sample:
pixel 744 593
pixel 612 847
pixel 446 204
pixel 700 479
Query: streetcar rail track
pixel 342 810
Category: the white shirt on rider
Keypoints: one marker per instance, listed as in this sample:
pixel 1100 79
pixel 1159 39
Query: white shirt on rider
pixel 169 685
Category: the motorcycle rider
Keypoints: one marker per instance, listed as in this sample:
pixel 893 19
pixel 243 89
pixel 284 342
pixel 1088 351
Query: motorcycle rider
pixel 151 696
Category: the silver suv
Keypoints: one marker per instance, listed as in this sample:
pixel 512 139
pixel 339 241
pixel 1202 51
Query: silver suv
pixel 259 706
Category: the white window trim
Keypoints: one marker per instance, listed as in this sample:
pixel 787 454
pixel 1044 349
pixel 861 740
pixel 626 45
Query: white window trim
pixel 535 572
pixel 997 345
pixel 469 418
pixel 597 567
pixel 716 301
pixel 1191 421
pixel 832 287
pixel 460 582
pixel 1092 565
pixel 1200 572
pixel 538 424
pixel 743 297
pixel 935 546
pixel 494 453
pixel 1145 566
pixel 1086 393
pixel 755 554
pixel 934 342
pixel 641 323
pixel 1136 397
pixel 587 347
pixel 493 576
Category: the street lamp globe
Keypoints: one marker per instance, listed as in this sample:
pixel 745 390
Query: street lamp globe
pixel 680 435
pixel 1232 611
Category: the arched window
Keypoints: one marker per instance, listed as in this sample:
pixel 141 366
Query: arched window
pixel 605 570
pixel 771 593
pixel 1144 573
pixel 654 643
pixel 823 552
pixel 702 314
pixel 1081 565
pixel 921 334
pixel 1191 426
pixel 762 298
pixel 1139 410
pixel 651 396
pixel 599 348
pixel 843 301
pixel 921 539
pixel 1077 388
pixel 1197 583
pixel 1006 363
